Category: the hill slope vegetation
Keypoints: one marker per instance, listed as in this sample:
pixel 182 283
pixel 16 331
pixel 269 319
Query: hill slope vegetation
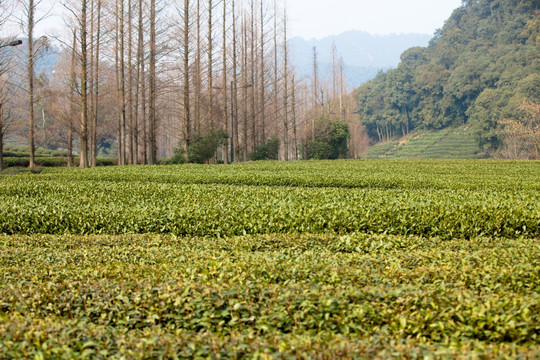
pixel 479 69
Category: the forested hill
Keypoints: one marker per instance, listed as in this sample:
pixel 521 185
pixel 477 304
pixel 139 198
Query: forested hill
pixel 480 68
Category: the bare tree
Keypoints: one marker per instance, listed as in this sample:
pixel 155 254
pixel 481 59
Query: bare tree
pixel 72 94
pixel 185 73
pixel 234 113
pixel 294 123
pixel 224 79
pixel 262 89
pixel 210 65
pixel 7 113
pixel 28 23
pixel 152 149
pixel 132 135
pixel 197 104
pixel 84 87
pixel 285 88
pixel 140 87
pixel 95 87
pixel 121 76
pixel 252 49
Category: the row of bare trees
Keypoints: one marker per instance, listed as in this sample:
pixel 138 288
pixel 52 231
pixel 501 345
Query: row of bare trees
pixel 141 78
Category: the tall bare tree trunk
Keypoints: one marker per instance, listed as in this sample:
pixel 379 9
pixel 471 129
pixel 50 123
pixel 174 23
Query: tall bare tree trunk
pixel 84 91
pixel 140 79
pixel 235 153
pixel 293 108
pixel 261 73
pixel 95 115
pixel 117 74
pixel 132 156
pixel 334 70
pixel 285 89
pixel 210 67
pixel 91 83
pixel 244 70
pixel 187 119
pixel 254 134
pixel 224 75
pixel 122 139
pixel 31 74
pixel 1 137
pixel 315 91
pixel 152 149
pixel 276 80
pixel 73 87
pixel 197 112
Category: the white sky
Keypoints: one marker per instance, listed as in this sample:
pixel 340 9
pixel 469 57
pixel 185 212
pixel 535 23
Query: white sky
pixel 321 18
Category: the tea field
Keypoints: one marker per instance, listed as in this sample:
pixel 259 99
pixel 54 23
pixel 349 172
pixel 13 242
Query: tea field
pixel 346 259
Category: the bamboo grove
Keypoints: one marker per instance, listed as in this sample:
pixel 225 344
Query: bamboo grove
pixel 146 79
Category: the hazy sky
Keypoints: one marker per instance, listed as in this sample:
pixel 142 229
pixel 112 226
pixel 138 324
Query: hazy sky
pixel 320 18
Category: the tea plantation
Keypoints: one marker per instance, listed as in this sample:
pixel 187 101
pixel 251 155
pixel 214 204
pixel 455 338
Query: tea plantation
pixel 345 259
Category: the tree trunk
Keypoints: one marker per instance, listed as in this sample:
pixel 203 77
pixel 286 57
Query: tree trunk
pixel 140 78
pixel 84 91
pixel 122 140
pixel 2 167
pixel 187 120
pixel 285 90
pixel 152 149
pixel 244 90
pixel 276 81
pixel 94 149
pixel 91 98
pixel 197 110
pixel 261 69
pixel 225 106
pixel 254 135
pixel 210 68
pixel 234 120
pixel 30 69
pixel 293 105
pixel 132 156
pixel 73 86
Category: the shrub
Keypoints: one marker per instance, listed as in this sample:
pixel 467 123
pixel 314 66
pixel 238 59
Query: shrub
pixel 330 140
pixel 179 156
pixel 268 151
pixel 205 147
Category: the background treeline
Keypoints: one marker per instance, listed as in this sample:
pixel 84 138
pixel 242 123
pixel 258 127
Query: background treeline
pixel 198 80
pixel 482 70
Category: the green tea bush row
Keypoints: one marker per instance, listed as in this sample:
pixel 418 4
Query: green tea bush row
pixel 353 295
pixel 35 205
pixel 381 174
pixel 24 161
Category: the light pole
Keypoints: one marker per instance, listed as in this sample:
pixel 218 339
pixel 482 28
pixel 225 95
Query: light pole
pixel 12 43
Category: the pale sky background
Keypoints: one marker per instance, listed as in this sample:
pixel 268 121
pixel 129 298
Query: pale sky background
pixel 321 18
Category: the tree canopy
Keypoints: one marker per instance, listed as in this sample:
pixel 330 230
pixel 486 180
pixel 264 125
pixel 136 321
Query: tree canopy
pixel 480 67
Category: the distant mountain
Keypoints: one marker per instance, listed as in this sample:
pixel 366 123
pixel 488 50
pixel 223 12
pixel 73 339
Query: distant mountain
pixel 364 54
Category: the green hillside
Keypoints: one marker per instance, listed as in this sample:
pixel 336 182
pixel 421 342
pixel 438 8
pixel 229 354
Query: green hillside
pixel 477 70
pixel 451 143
